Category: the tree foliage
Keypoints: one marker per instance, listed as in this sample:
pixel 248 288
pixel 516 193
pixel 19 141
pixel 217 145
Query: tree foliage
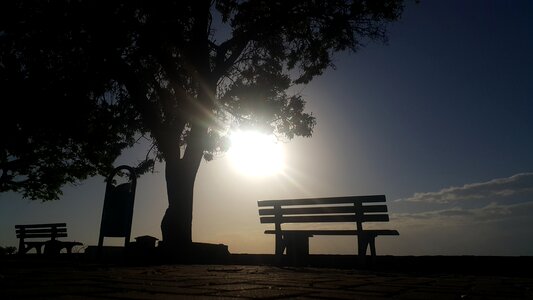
pixel 82 80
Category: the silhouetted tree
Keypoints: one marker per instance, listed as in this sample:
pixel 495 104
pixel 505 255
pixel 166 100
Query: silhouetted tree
pixel 81 80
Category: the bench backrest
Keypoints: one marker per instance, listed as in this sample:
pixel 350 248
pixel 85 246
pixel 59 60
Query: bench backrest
pixel 52 231
pixel 356 209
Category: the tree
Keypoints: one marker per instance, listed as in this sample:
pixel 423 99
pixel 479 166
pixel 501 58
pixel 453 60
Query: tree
pixel 181 73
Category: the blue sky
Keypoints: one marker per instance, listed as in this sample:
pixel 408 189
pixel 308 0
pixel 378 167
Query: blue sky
pixel 439 120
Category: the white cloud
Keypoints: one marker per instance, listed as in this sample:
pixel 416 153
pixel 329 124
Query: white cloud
pixel 455 215
pixel 519 185
pixel 487 218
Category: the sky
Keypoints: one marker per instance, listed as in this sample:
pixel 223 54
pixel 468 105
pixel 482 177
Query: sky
pixel 439 120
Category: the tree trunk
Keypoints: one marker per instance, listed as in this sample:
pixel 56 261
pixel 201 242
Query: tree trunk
pixel 180 173
pixel 176 226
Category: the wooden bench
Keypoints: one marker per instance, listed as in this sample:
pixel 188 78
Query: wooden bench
pixel 355 209
pixel 51 231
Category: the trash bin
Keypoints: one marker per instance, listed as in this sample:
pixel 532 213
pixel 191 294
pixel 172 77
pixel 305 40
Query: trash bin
pixel 146 241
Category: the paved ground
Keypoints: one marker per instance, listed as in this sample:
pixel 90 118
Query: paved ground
pixel 89 281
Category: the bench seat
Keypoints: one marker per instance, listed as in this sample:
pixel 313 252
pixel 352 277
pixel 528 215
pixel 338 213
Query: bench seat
pixel 337 232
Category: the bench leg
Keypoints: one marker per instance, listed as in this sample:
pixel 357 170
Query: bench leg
pixel 22 248
pixel 69 245
pixel 364 242
pixel 280 245
pixel 362 245
pixel 25 248
pixel 297 245
pixel 372 241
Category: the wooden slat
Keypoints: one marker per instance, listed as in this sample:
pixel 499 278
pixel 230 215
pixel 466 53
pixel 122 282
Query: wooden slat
pixel 375 208
pixel 325 219
pixel 39 230
pixel 321 210
pixel 42 225
pixel 41 235
pixel 331 200
pixel 383 232
pixel 308 219
pixel 308 210
pixel 338 232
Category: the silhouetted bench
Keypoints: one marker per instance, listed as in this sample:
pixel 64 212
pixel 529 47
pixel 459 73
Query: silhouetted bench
pixel 356 209
pixel 43 231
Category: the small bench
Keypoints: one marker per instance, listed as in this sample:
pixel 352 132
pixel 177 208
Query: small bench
pixel 43 231
pixel 355 209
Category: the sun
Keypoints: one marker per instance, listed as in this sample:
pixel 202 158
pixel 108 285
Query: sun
pixel 255 154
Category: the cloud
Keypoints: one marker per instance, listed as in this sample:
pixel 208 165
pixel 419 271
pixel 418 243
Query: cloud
pixel 497 199
pixel 519 185
pixel 489 213
pixel 487 218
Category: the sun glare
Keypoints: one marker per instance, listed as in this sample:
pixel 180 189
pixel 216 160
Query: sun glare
pixel 256 154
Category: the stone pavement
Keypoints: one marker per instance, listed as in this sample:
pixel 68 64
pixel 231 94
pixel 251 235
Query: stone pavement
pixel 86 281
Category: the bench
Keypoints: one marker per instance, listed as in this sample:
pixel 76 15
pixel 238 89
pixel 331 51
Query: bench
pixel 51 231
pixel 355 209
